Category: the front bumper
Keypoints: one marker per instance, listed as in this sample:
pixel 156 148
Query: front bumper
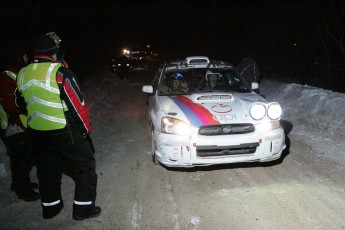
pixel 197 150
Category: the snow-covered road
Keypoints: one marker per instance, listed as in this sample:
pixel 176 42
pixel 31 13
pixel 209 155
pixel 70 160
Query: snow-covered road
pixel 306 190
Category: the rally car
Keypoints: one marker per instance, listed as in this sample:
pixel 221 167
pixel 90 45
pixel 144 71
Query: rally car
pixel 202 112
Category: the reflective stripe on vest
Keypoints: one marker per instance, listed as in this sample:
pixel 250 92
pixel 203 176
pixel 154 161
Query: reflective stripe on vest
pixel 24 120
pixel 10 74
pixel 37 84
pixel 3 118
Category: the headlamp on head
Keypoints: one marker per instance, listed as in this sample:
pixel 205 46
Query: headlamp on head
pixel 55 37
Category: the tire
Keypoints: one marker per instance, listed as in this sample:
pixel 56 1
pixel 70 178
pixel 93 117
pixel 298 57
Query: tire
pixel 154 159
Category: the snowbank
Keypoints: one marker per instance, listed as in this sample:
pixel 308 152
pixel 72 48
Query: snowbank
pixel 317 109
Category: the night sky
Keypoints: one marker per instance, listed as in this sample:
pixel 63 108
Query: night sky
pixel 93 31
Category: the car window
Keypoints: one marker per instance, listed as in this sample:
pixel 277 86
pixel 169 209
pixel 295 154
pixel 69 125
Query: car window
pixel 194 80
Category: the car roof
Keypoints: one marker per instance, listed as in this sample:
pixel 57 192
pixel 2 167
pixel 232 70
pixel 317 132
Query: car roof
pixel 197 62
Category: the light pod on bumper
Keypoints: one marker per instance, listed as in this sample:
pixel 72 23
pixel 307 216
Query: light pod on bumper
pixel 257 111
pixel 274 111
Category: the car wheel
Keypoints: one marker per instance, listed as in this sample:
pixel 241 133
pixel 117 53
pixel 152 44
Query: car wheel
pixel 154 159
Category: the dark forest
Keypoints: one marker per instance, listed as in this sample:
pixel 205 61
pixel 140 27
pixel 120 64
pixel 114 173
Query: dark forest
pixel 294 41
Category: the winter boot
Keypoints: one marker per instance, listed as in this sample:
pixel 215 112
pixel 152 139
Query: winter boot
pixel 28 195
pixel 81 213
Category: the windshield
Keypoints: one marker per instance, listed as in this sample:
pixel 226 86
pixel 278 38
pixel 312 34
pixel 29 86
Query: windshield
pixel 201 80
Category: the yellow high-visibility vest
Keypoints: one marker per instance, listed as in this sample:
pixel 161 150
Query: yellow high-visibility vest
pixel 37 84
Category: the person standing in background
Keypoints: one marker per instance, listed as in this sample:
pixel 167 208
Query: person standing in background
pixel 249 70
pixel 14 127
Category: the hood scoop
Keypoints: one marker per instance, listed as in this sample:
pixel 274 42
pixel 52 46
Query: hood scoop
pixel 213 98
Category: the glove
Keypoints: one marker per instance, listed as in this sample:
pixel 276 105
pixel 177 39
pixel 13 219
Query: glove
pixel 88 138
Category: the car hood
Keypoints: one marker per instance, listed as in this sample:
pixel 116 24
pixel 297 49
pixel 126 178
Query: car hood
pixel 210 109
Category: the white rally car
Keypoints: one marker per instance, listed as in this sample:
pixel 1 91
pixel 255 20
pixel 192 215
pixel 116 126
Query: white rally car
pixel 203 113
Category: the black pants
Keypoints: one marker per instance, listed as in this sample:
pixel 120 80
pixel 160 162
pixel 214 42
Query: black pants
pixel 22 159
pixel 58 147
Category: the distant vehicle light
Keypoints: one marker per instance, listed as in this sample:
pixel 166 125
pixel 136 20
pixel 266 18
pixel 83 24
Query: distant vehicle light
pixel 125 51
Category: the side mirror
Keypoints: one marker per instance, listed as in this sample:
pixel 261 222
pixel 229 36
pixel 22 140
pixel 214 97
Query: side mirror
pixel 255 85
pixel 147 89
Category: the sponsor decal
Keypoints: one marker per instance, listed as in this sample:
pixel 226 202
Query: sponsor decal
pixel 221 108
pixel 196 113
pixel 224 118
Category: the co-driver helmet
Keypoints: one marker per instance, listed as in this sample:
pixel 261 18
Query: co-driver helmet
pixel 210 73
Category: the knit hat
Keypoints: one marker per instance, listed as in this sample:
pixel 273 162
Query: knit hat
pixel 45 45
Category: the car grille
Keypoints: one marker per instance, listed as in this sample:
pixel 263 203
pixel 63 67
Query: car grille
pixel 213 150
pixel 226 129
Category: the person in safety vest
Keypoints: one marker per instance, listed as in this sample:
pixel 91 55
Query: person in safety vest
pixel 14 128
pixel 60 127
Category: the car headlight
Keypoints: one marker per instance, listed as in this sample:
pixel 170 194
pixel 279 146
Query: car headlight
pixel 257 111
pixel 274 111
pixel 175 126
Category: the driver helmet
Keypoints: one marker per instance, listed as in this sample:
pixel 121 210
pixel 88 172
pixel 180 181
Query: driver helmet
pixel 210 73
pixel 177 76
pixel 176 80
